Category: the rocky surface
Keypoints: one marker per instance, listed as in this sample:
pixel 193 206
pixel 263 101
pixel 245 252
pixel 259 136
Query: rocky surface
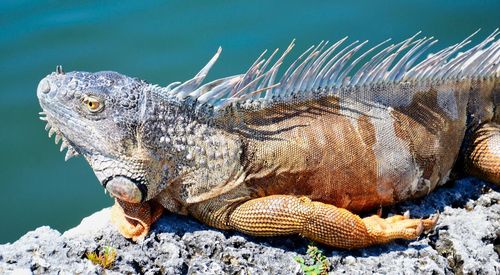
pixel 465 241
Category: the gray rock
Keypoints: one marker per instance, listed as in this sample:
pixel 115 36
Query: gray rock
pixel 466 240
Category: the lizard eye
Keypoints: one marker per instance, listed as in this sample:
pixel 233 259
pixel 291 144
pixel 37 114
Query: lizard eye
pixel 93 104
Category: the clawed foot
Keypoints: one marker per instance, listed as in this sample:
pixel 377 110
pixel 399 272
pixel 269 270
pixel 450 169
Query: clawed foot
pixel 397 227
pixel 134 220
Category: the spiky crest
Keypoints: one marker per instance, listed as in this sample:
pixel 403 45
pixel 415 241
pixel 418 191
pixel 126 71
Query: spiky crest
pixel 316 69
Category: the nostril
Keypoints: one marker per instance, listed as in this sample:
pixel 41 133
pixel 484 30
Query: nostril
pixel 44 86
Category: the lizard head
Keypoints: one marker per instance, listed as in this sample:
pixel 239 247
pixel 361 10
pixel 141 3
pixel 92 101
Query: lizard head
pixel 139 138
pixel 97 115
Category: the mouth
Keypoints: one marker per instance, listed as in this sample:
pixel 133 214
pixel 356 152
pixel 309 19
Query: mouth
pixel 59 137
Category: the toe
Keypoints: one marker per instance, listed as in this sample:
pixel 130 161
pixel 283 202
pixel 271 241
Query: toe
pixel 395 218
pixel 431 222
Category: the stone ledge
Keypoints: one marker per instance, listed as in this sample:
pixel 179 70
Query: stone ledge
pixel 466 240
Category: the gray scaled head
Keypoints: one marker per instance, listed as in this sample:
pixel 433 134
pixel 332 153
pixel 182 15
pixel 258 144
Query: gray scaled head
pixel 97 115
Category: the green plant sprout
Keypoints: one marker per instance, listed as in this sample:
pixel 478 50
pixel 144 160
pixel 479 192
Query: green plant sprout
pixel 319 265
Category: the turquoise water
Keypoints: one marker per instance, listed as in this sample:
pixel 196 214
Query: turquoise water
pixel 162 42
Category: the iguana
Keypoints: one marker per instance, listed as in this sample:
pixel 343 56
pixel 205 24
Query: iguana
pixel 339 132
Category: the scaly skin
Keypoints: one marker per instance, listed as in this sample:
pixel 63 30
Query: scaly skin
pixel 304 165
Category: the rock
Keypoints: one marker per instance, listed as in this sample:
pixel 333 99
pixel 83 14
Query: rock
pixel 466 240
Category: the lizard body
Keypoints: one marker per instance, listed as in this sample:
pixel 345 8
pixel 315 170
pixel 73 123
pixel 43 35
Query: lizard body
pixel 298 156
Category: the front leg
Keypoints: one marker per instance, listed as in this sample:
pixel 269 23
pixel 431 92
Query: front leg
pixel 134 220
pixel 324 223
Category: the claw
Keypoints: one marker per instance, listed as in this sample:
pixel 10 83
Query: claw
pixel 406 215
pixel 434 219
pixel 419 229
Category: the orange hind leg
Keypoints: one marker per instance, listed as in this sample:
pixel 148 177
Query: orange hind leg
pixel 324 223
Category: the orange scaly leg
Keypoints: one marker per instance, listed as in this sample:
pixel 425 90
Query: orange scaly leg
pixel 324 223
pixel 134 220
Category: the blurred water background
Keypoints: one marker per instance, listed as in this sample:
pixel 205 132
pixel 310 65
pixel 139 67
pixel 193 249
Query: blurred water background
pixel 162 42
